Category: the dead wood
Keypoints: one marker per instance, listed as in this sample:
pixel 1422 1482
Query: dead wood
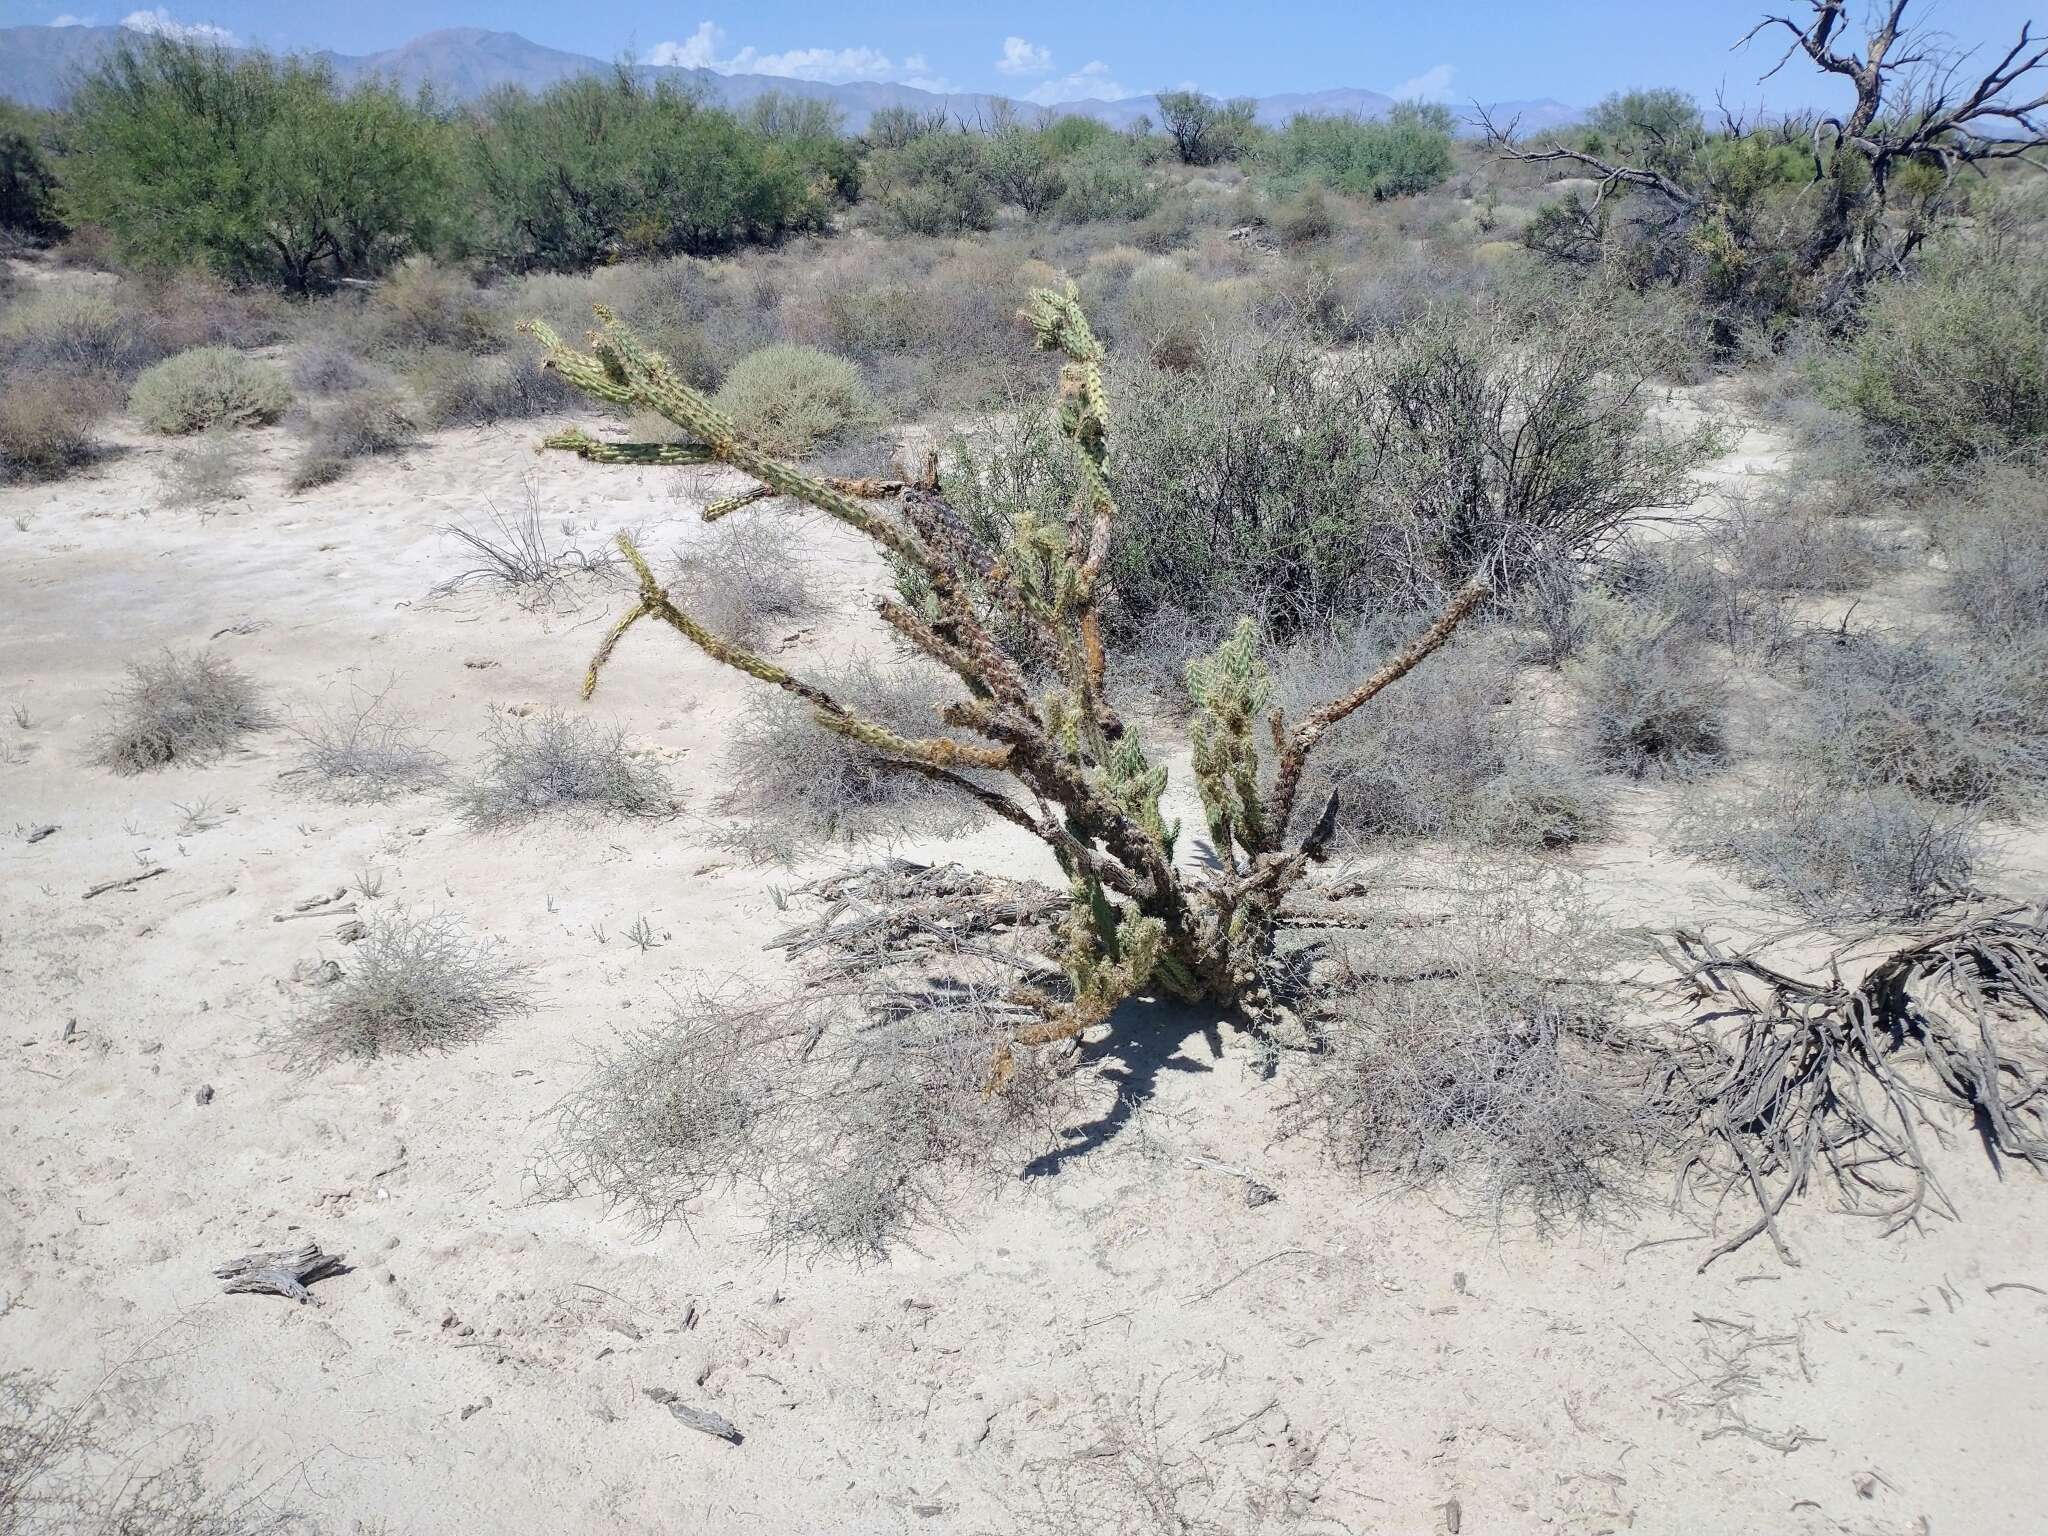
pixel 281 1272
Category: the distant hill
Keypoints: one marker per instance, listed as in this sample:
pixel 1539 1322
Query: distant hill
pixel 38 65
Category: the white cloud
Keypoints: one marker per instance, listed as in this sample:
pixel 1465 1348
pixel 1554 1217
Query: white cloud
pixel 161 23
pixel 1430 85
pixel 705 49
pixel 1022 58
pixel 68 20
pixel 1092 81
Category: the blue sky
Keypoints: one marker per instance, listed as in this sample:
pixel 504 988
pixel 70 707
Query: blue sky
pixel 1061 50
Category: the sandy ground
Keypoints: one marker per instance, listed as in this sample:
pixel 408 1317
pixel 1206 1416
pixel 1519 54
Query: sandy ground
pixel 1394 1365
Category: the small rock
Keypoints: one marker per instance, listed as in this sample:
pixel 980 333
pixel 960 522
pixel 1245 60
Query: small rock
pixel 37 834
pixel 1257 1194
pixel 478 663
pixel 476 1408
pixel 204 1096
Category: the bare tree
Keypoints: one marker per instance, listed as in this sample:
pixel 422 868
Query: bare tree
pixel 1919 103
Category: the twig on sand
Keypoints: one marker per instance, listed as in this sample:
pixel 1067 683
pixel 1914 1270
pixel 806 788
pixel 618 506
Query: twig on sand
pixel 122 885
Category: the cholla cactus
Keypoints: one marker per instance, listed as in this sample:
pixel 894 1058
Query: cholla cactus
pixel 1136 920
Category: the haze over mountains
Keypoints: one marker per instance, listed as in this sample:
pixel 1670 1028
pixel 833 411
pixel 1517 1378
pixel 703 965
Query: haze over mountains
pixel 37 65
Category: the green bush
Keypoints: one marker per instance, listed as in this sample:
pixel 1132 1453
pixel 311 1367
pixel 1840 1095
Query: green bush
pixel 1952 365
pixel 1106 181
pixel 28 186
pixel 1407 152
pixel 594 169
pixel 1205 130
pixel 256 167
pixel 208 387
pixel 937 184
pixel 792 399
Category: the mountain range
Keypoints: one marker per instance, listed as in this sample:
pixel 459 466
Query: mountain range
pixel 37 65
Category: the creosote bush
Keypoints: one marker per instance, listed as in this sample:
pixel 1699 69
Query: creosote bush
pixel 184 706
pixel 411 983
pixel 559 763
pixel 793 399
pixel 207 388
pixel 358 424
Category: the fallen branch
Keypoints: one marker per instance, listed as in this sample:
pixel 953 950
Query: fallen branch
pixel 123 885
pixel 282 1272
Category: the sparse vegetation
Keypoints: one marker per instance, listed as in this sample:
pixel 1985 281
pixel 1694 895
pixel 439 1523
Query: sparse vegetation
pixel 366 749
pixel 412 983
pixel 746 576
pixel 210 388
pixel 793 399
pixel 340 430
pixel 557 763
pixel 183 707
pixel 1653 706
pixel 209 472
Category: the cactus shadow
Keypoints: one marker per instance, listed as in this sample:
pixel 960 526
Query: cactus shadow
pixel 1148 1039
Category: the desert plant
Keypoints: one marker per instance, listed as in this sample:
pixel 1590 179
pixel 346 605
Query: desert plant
pixel 792 399
pixel 412 983
pixel 559 763
pixel 1650 706
pixel 937 184
pixel 209 472
pixel 515 553
pixel 1408 151
pixel 1205 130
pixel 1137 917
pixel 794 785
pixel 184 706
pixel 351 426
pixel 745 576
pixel 1879 853
pixel 1997 579
pixel 366 750
pixel 209 387
pixel 47 416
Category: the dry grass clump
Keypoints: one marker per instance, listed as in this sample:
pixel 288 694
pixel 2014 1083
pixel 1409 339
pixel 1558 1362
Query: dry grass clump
pixel 1788 548
pixel 559 763
pixel 516 553
pixel 322 368
pixel 211 471
pixel 80 329
pixel 363 422
pixel 181 707
pixel 462 389
pixel 1651 708
pixel 1995 539
pixel 744 578
pixel 794 786
pixel 208 388
pixel 792 399
pixel 366 750
pixel 47 416
pixel 1481 1050
pixel 1961 725
pixel 1447 755
pixel 1879 853
pixel 412 983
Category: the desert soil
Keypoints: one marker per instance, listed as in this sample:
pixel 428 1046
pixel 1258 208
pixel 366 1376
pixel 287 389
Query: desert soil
pixel 1401 1364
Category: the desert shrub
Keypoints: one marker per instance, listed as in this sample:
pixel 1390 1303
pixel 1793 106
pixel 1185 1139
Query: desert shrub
pixel 186 152
pixel 1860 855
pixel 347 427
pixel 1407 151
pixel 1695 593
pixel 792 399
pixel 424 304
pixel 211 387
pixel 185 706
pixel 1996 546
pixel 458 388
pixel 1023 167
pixel 366 750
pixel 937 184
pixel 81 329
pixel 1952 365
pixel 28 185
pixel 1304 218
pixel 1479 1052
pixel 514 552
pixel 1205 130
pixel 411 983
pixel 841 1132
pixel 743 578
pixel 1961 725
pixel 47 417
pixel 1649 706
pixel 1104 182
pixel 211 471
pixel 1443 756
pixel 794 786
pixel 594 168
pixel 325 368
pixel 1788 548
pixel 1278 481
pixel 558 763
